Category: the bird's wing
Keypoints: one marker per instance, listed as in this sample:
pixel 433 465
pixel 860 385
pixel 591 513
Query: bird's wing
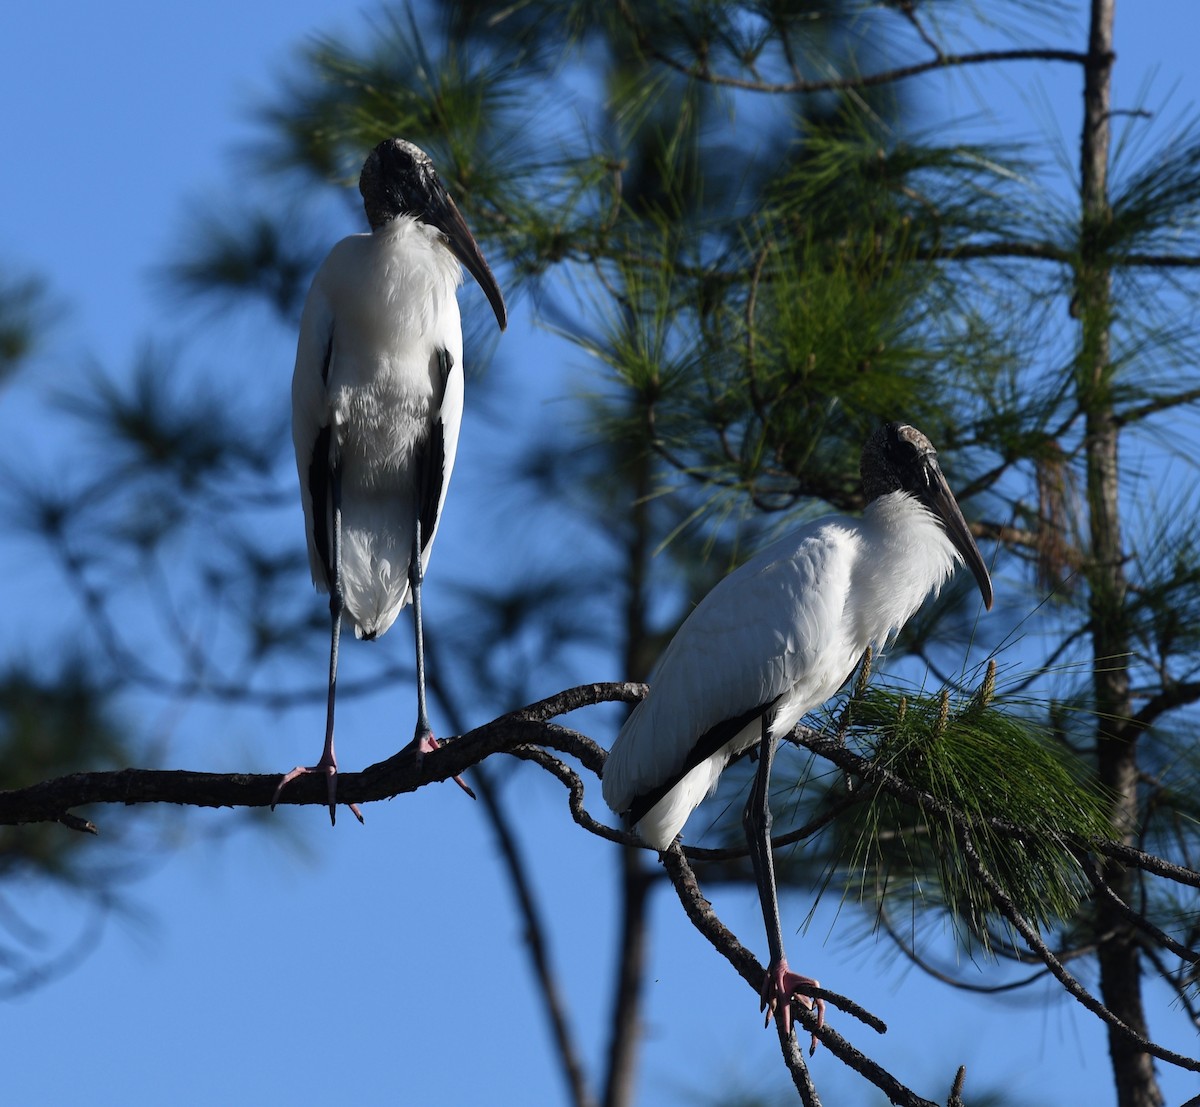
pixel 435 458
pixel 310 427
pixel 431 461
pixel 767 635
pixel 708 745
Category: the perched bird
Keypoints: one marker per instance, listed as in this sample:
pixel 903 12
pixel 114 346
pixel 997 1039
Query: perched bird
pixel 775 639
pixel 377 398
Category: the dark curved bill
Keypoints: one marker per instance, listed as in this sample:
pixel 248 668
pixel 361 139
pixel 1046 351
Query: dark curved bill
pixel 940 500
pixel 444 215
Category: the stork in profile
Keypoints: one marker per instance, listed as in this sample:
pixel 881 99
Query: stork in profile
pixel 774 640
pixel 377 399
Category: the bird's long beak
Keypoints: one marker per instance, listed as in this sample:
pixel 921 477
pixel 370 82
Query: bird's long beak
pixel 444 215
pixel 940 500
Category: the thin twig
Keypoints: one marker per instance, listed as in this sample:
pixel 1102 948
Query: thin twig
pixel 1135 917
pixel 1009 910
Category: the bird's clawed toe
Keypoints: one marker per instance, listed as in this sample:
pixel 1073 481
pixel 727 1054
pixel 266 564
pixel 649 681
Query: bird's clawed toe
pixel 778 982
pixel 424 742
pixel 330 772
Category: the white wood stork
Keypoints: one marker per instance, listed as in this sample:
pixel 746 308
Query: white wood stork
pixel 775 639
pixel 377 398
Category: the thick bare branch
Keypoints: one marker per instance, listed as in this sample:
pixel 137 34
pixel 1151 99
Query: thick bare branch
pixel 54 800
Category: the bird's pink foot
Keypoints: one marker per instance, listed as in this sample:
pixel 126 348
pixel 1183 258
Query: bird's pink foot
pixel 329 768
pixel 427 743
pixel 780 982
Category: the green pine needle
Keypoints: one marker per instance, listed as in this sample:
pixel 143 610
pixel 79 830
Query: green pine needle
pixel 986 776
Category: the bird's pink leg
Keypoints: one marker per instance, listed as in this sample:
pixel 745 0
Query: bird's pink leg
pixel 423 740
pixel 780 982
pixel 328 762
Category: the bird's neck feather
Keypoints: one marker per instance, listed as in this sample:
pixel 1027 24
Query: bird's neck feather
pixel 408 241
pixel 908 558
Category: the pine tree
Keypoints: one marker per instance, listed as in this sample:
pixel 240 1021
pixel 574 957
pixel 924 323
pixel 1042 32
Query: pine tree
pixel 729 212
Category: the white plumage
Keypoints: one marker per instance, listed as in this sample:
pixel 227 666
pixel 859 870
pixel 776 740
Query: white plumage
pixel 392 295
pixel 788 625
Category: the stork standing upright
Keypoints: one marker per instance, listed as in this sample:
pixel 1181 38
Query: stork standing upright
pixel 775 639
pixel 377 398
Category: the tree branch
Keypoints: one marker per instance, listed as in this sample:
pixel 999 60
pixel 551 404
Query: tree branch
pixel 529 735
pixel 827 746
pixel 1140 921
pixel 700 70
pixel 705 920
pixel 1008 909
pixel 53 800
pixel 1155 406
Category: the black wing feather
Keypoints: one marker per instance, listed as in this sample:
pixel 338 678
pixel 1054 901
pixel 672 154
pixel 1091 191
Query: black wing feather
pixel 431 462
pixel 707 744
pixel 320 485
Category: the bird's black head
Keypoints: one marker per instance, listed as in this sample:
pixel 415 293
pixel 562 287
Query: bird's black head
pixel 399 179
pixel 899 458
pixel 896 458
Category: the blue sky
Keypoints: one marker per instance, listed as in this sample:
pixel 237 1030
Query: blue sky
pixel 384 963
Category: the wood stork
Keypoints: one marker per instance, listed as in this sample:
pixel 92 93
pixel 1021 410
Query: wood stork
pixel 775 639
pixel 377 399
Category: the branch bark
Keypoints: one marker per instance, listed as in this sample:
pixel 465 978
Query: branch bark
pixel 54 800
pixel 699 910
